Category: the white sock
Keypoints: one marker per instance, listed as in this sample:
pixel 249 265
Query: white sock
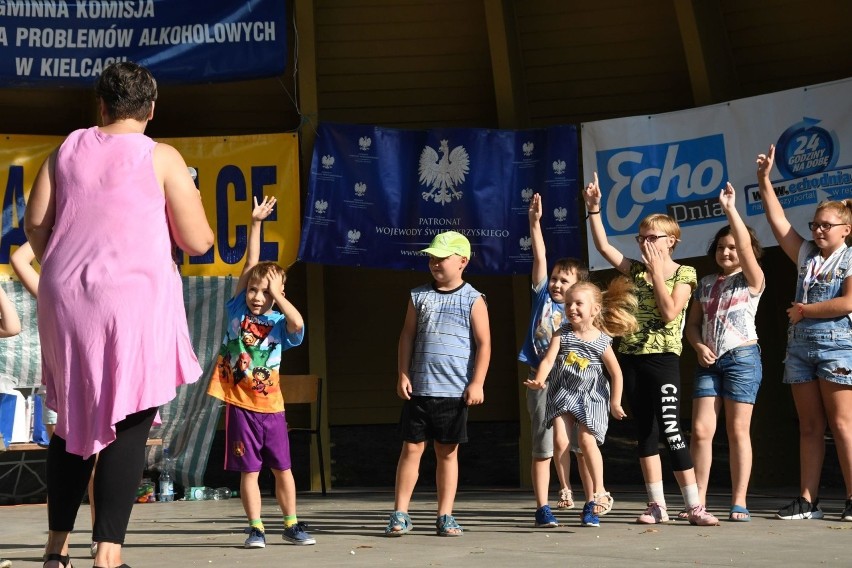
pixel 690 495
pixel 655 493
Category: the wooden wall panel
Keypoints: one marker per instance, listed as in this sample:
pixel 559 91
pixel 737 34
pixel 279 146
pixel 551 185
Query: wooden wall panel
pixel 789 43
pixel 588 61
pixel 410 64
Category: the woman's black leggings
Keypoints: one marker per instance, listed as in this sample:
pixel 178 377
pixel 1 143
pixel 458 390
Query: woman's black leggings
pixel 652 387
pixel 119 471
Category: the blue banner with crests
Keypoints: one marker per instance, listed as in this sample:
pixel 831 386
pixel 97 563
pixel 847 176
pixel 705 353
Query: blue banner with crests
pixel 377 196
pixel 69 42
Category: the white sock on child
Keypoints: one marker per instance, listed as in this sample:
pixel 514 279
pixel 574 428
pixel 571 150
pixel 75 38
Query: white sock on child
pixel 655 493
pixel 690 495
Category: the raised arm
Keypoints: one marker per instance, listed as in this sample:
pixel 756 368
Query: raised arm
pixel 539 265
pixel 258 214
pixel 295 322
pixel 22 263
pixel 789 240
pixel 40 213
pixel 475 391
pixel 10 323
pixel 187 220
pixel 742 238
pixel 592 197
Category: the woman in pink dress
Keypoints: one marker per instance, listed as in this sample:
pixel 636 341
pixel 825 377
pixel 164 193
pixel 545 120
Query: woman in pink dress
pixel 102 215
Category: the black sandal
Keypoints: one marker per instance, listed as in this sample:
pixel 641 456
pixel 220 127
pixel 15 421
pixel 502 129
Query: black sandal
pixel 64 560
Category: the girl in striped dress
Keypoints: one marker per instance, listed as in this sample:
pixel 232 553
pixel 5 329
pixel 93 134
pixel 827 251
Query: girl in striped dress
pixel 578 391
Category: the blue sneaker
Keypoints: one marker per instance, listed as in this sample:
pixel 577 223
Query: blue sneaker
pixel 297 535
pixel 544 518
pixel 588 518
pixel 256 538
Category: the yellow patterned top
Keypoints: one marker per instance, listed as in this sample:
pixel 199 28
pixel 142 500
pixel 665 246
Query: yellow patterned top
pixel 654 335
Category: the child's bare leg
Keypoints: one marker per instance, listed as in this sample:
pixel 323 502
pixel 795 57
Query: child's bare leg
pixel 285 491
pixel 250 494
pixel 540 472
pixel 407 472
pixel 446 476
pixel 705 414
pixel 585 475
pixel 562 455
pixel 592 458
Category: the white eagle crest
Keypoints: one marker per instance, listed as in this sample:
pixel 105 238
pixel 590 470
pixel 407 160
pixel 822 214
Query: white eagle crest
pixel 528 148
pixel 320 205
pixel 364 143
pixel 353 236
pixel 560 213
pixel 327 161
pixel 526 194
pixel 559 167
pixel 360 189
pixel 526 243
pixel 443 174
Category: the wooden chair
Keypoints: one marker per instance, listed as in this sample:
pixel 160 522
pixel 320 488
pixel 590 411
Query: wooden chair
pixel 306 389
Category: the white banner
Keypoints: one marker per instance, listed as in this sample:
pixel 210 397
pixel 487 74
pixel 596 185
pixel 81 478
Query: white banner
pixel 677 163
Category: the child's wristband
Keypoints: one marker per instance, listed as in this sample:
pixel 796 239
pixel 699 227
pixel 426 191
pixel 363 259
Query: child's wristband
pixel 590 213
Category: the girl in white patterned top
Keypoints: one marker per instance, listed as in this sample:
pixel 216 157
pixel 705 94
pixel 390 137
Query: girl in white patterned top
pixel 721 329
pixel 578 391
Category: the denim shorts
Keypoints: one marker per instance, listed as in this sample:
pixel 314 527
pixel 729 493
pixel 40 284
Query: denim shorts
pixel 736 375
pixel 815 355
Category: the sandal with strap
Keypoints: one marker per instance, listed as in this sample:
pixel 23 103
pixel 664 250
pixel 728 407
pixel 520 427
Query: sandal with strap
pixel 566 499
pixel 446 525
pixel 399 523
pixel 603 503
pixel 64 560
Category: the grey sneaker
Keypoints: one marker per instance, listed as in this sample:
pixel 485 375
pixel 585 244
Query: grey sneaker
pixel 297 535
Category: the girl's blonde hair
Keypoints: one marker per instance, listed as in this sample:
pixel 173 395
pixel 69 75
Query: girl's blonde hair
pixel 618 306
pixel 842 209
pixel 664 223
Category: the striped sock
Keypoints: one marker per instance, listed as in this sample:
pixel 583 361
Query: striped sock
pixel 289 521
pixel 257 524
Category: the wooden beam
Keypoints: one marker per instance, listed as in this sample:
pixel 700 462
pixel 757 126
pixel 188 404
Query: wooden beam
pixel 707 50
pixel 309 108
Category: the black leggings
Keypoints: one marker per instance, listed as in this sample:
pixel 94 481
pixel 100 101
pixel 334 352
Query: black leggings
pixel 652 387
pixel 120 467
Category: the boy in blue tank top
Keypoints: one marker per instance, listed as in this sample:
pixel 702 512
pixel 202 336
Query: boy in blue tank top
pixel 444 350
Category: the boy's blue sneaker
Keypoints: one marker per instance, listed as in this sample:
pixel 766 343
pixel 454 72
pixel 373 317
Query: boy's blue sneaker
pixel 297 535
pixel 256 538
pixel 544 518
pixel 588 518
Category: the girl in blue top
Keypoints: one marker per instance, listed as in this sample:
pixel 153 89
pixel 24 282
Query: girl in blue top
pixel 819 340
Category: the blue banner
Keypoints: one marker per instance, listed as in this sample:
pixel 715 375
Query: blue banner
pixel 377 196
pixel 69 42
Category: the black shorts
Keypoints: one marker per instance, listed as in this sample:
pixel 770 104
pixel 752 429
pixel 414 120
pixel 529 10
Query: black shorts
pixel 443 420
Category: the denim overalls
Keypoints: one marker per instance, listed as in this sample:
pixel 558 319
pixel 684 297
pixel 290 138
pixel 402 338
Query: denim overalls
pixel 820 347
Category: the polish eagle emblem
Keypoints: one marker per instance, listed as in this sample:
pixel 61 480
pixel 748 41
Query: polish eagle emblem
pixel 443 174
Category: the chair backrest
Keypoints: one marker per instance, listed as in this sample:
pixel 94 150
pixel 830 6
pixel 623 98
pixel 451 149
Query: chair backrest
pixel 300 389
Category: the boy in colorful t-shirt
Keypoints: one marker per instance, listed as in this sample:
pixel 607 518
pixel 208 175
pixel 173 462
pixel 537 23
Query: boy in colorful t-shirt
pixel 246 378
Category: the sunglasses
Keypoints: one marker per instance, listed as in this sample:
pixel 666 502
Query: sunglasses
pixel 825 227
pixel 648 238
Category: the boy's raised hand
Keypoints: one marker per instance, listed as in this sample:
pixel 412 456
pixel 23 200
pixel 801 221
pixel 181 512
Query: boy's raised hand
pixel 263 210
pixel 535 209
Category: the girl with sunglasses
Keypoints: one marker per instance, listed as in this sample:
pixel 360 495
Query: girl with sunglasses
pixel 650 357
pixel 818 365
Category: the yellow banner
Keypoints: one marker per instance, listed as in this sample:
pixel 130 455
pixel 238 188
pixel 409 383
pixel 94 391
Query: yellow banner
pixel 230 170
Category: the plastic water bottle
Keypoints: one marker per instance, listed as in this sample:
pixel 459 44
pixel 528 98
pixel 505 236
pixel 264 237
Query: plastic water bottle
pixel 221 493
pixel 167 483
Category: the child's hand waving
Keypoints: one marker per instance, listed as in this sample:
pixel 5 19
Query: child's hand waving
pixel 264 210
pixel 728 198
pixel 592 195
pixel 765 162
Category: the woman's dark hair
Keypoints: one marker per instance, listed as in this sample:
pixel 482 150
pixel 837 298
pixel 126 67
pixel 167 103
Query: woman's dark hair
pixel 725 231
pixel 128 90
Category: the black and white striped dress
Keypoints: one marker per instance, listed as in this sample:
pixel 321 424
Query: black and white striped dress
pixel 584 392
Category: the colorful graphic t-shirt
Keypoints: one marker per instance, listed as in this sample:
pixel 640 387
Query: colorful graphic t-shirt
pixel 547 316
pixel 246 371
pixel 655 335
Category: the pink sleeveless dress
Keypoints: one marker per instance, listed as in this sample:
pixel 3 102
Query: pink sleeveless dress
pixel 114 335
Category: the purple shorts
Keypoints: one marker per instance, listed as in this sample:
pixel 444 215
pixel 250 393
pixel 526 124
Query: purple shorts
pixel 255 439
